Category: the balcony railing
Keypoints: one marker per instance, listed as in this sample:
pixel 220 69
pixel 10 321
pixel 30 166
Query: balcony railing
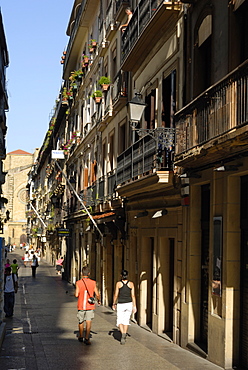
pixel 111 176
pixel 120 86
pixel 74 31
pixel 147 155
pixel 221 108
pixel 145 10
pixel 100 190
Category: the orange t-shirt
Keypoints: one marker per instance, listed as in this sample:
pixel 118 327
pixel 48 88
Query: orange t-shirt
pixel 83 296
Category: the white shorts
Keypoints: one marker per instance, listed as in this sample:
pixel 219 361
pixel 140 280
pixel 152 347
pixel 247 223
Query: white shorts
pixel 124 311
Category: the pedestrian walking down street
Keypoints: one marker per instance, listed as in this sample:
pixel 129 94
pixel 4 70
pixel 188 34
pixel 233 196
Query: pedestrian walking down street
pixel 125 296
pixel 10 288
pixel 86 289
pixel 7 264
pixel 59 265
pixel 14 268
pixel 26 259
pixel 34 265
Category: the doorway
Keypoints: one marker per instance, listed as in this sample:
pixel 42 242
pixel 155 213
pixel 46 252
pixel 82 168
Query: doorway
pixel 146 282
pixel 165 298
pixel 205 224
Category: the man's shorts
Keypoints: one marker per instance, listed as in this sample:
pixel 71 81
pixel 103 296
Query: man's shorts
pixel 85 315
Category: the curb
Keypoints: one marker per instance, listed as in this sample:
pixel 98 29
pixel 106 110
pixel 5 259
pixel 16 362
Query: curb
pixel 2 332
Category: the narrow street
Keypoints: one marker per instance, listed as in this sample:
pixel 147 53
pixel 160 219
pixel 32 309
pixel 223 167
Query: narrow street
pixel 43 333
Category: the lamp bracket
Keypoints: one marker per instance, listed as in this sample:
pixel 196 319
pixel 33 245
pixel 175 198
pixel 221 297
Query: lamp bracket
pixel 164 136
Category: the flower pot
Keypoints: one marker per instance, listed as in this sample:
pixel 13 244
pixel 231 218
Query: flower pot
pixel 105 87
pixel 65 102
pixel 98 99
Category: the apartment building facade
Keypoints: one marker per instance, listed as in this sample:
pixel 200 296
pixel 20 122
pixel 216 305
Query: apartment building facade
pixel 163 196
pixel 4 62
pixel 211 153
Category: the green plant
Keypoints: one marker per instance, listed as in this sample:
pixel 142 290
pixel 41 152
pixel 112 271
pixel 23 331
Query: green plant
pixel 92 44
pixel 97 94
pixel 104 80
pixel 76 75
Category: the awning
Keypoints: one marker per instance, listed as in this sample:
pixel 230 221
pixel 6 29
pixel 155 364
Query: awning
pixel 104 217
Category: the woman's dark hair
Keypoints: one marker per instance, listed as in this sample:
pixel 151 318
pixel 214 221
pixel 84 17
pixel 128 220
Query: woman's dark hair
pixel 124 273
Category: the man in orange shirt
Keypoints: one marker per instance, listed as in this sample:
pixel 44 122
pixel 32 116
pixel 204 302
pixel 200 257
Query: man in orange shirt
pixel 86 290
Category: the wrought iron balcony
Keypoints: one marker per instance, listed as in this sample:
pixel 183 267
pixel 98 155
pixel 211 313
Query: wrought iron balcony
pixel 220 110
pixel 78 28
pixel 148 155
pixel 120 87
pixel 103 189
pixel 111 176
pixel 149 19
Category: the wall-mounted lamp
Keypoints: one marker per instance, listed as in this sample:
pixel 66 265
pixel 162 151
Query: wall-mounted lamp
pixel 190 174
pixel 227 168
pixel 160 213
pixel 141 214
pixel 136 108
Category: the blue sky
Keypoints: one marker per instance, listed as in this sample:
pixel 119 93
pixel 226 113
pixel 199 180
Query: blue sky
pixel 36 38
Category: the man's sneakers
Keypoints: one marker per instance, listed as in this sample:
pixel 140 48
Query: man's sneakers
pixel 81 339
pixel 123 338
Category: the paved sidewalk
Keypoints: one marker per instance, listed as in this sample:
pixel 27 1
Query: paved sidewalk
pixel 43 333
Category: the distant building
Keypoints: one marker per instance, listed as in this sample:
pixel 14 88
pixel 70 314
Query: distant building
pixel 17 165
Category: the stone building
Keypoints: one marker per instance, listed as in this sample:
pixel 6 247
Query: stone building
pixel 17 165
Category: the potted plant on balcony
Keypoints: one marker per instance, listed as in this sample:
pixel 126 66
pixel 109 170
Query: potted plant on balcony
pixel 74 87
pixel 97 96
pixel 104 82
pixel 85 61
pixel 92 45
pixel 79 75
pixel 64 96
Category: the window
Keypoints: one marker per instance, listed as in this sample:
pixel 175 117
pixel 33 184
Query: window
pixel 150 110
pixel 203 54
pixel 169 100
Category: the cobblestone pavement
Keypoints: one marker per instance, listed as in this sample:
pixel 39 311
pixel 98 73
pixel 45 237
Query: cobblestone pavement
pixel 43 333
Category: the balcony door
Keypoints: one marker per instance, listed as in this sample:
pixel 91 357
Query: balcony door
pixel 169 100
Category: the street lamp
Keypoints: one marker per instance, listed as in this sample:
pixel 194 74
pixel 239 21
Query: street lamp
pixel 135 109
